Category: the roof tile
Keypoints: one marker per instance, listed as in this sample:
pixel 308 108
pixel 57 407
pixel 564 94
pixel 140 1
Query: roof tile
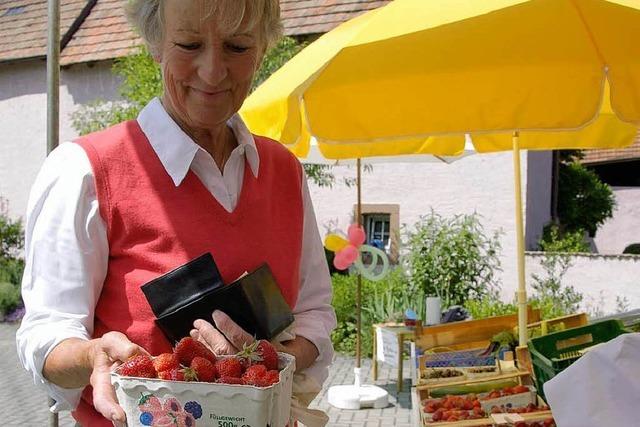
pixel 632 152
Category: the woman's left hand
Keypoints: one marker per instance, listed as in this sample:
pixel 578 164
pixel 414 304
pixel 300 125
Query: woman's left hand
pixel 229 338
pixel 225 338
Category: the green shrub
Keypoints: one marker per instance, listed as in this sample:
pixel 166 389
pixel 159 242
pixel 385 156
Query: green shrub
pixel 556 240
pixel 633 249
pixel 9 297
pixel 381 301
pixel 550 295
pixel 489 306
pixel 11 265
pixel 452 258
pixel 584 201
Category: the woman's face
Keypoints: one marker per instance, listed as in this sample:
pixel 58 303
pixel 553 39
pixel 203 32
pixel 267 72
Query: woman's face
pixel 206 74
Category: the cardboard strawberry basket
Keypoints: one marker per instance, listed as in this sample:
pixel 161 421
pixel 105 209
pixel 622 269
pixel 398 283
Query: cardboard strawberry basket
pixel 156 402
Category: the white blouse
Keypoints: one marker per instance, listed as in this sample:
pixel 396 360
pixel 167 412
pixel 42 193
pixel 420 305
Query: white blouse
pixel 67 251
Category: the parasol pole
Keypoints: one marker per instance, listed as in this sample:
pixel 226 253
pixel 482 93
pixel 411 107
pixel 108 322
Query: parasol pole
pixel 521 293
pixel 53 75
pixel 359 279
pixel 53 106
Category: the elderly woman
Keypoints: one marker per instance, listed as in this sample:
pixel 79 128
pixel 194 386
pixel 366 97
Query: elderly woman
pixel 117 208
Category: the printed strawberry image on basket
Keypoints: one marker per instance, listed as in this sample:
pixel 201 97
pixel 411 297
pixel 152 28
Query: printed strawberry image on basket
pixel 193 387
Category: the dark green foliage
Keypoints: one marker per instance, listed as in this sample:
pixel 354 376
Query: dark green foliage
pixel 382 301
pixel 584 202
pixel 633 249
pixel 554 239
pixel 276 57
pixel 11 265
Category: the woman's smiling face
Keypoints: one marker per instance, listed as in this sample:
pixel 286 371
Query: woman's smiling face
pixel 207 71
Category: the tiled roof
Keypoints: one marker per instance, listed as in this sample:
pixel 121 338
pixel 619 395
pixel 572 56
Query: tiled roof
pixel 23 26
pixel 104 34
pixel 301 17
pixel 632 152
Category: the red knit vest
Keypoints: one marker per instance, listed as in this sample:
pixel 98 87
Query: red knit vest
pixel 154 226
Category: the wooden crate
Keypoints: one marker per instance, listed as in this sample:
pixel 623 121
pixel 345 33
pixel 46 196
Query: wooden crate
pixel 422 392
pixel 468 334
pixel 569 321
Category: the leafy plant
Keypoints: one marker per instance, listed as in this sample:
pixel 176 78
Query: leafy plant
pixel 550 295
pixel 9 297
pixel 382 301
pixel 11 265
pixel 489 306
pixel 632 249
pixel 584 201
pixel 452 258
pixel 556 240
pixel 276 57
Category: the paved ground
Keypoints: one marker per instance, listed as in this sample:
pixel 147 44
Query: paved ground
pixel 25 405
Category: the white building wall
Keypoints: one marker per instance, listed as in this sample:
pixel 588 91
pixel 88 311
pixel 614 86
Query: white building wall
pixel 477 183
pixel 600 278
pixel 23 118
pixel 624 228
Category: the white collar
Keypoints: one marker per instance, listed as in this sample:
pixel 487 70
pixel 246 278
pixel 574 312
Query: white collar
pixel 176 150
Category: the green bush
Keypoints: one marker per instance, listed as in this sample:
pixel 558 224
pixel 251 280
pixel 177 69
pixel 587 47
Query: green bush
pixel 489 306
pixel 9 297
pixel 556 240
pixel 11 265
pixel 633 249
pixel 584 201
pixel 452 258
pixel 382 301
pixel 551 296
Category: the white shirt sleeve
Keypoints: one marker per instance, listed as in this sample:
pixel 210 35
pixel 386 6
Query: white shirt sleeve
pixel 313 313
pixel 66 255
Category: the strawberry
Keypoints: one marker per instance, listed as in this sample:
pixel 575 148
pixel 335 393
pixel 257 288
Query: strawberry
pixel 188 348
pixel 139 365
pixel 166 362
pixel 254 375
pixel 269 354
pixel 229 380
pixel 229 367
pixel 272 377
pixel 204 370
pixel 175 374
pixel 259 352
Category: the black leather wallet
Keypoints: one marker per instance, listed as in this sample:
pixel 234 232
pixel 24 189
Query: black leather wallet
pixel 194 290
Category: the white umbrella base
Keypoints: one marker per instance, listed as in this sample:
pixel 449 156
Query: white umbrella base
pixel 358 397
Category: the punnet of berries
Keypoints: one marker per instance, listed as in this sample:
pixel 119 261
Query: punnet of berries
pixel 255 365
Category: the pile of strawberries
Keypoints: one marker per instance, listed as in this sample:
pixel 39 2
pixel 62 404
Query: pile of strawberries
pixel 549 422
pixel 454 408
pixel 495 409
pixel 507 391
pixel 256 365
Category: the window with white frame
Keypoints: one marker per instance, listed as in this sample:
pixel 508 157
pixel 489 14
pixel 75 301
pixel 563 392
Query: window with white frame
pixel 377 228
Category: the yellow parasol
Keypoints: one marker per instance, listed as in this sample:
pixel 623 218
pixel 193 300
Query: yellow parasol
pixel 415 76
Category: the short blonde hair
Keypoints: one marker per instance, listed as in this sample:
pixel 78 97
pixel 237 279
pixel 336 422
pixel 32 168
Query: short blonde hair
pixel 148 17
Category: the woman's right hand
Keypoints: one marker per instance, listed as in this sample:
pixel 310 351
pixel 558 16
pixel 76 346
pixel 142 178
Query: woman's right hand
pixel 109 350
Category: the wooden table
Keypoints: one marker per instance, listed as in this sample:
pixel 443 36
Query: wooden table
pixel 394 334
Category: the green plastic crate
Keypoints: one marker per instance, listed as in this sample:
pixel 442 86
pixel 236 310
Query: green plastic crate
pixel 551 354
